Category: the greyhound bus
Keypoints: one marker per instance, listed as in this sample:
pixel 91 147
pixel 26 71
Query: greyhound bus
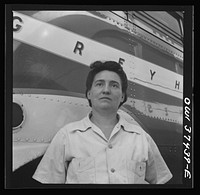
pixel 52 51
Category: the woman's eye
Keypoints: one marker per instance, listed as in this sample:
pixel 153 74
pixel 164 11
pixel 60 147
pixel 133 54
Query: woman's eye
pixel 99 84
pixel 115 86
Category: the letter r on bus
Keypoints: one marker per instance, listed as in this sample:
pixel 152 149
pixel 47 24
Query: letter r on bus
pixel 79 47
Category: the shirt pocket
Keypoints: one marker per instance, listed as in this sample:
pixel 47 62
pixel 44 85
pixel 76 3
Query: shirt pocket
pixel 84 169
pixel 136 171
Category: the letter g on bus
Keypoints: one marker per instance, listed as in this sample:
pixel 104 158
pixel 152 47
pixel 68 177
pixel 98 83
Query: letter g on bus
pixel 17 21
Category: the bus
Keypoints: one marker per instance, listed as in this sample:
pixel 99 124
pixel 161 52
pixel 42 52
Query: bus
pixel 52 51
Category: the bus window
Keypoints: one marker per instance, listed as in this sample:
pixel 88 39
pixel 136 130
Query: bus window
pixel 154 56
pixel 179 68
pixel 36 68
pixel 120 41
pixel 166 19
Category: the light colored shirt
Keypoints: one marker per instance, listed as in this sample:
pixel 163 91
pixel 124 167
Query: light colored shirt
pixel 80 153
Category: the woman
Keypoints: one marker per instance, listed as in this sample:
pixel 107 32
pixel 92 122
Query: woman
pixel 103 147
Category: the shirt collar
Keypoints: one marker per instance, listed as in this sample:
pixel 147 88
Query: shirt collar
pixel 129 127
pixel 86 124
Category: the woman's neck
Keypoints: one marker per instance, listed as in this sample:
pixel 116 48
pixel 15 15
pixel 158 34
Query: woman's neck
pixel 104 120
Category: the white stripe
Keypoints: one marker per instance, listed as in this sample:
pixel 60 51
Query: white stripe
pixel 62 42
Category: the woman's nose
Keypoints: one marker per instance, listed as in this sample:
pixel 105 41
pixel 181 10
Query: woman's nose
pixel 106 89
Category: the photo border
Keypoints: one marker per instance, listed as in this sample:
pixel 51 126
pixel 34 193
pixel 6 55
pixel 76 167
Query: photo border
pixel 188 93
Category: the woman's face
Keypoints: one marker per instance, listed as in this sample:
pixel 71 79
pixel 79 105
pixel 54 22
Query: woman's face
pixel 106 91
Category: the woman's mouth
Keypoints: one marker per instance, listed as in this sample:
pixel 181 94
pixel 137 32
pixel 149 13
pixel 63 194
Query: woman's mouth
pixel 105 98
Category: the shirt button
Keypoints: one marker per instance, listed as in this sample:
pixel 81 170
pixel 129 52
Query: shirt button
pixel 110 146
pixel 112 170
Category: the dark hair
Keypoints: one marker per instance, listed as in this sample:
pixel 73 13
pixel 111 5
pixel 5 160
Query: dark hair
pixel 99 66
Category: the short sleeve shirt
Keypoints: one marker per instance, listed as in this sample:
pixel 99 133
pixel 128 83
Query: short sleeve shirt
pixel 80 153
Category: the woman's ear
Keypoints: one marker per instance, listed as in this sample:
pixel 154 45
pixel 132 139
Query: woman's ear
pixel 123 96
pixel 88 95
